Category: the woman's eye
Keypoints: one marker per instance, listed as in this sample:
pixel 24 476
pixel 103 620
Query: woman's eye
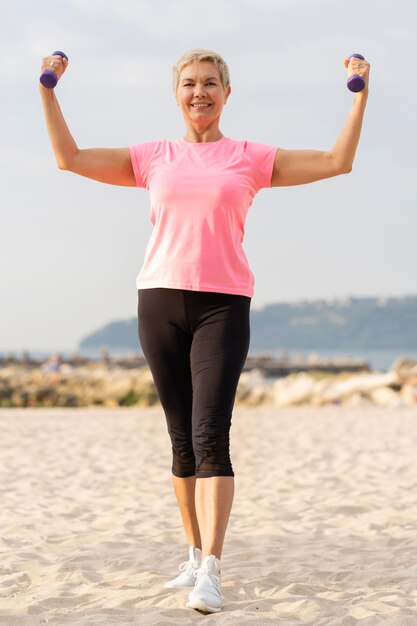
pixel 210 83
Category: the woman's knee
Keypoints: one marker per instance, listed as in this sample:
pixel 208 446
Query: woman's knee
pixel 212 456
pixel 204 457
pixel 183 461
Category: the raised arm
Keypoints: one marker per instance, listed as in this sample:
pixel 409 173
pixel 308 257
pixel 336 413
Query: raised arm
pixel 107 165
pixel 298 167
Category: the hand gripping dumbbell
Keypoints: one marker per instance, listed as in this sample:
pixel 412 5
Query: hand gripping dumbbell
pixel 48 78
pixel 355 82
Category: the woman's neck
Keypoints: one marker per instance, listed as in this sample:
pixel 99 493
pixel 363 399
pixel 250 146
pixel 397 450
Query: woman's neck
pixel 196 135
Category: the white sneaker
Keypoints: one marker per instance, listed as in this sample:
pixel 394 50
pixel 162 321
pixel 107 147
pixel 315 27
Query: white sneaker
pixel 188 571
pixel 206 595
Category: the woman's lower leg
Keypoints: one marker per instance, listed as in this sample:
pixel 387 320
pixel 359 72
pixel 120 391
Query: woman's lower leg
pixel 185 493
pixel 213 502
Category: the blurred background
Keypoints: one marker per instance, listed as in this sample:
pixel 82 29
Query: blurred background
pixel 71 247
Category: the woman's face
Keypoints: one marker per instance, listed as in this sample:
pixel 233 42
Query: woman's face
pixel 200 93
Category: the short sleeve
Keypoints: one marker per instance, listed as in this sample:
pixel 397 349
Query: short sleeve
pixel 262 159
pixel 141 155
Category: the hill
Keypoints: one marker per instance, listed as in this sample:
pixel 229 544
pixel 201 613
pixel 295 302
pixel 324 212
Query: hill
pixel 348 324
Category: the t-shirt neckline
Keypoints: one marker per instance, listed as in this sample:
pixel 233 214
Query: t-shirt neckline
pixel 202 143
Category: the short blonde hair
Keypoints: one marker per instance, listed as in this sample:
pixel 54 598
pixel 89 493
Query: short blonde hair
pixel 195 56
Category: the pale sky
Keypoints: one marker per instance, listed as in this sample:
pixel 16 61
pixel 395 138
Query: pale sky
pixel 71 247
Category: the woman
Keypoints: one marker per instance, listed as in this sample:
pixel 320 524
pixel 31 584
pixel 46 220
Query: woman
pixel 195 285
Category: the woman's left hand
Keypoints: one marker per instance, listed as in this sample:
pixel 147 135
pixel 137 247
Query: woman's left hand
pixel 360 67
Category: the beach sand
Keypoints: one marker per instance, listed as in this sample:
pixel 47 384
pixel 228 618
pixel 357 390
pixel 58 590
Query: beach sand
pixel 323 529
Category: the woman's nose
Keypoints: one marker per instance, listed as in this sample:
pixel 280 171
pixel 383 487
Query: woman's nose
pixel 199 90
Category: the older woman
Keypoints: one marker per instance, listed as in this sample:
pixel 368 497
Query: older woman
pixel 195 285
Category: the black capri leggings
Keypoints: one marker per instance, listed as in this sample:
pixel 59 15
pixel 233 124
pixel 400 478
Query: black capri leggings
pixel 195 343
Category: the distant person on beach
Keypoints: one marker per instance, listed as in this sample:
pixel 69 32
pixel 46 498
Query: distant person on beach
pixel 195 285
pixel 52 367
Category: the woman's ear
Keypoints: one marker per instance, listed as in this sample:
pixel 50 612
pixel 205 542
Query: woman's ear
pixel 228 92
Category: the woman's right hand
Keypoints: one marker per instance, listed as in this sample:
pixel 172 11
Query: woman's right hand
pixel 54 63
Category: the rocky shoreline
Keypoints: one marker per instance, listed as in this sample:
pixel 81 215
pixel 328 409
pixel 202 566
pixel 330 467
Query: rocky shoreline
pixel 111 383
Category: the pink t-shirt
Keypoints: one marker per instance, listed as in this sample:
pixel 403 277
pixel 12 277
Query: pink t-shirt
pixel 200 194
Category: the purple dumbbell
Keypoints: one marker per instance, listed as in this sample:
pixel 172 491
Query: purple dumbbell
pixel 355 82
pixel 48 78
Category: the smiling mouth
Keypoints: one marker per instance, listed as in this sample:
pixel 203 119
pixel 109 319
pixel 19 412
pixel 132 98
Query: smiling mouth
pixel 201 106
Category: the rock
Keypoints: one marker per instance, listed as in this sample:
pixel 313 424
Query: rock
pixel 110 403
pixel 293 389
pixel 356 400
pixel 385 396
pixel 93 383
pixel 253 389
pixel 405 367
pixel 256 396
pixel 320 388
pixel 116 387
pixel 143 388
pixel 363 383
pixel 408 394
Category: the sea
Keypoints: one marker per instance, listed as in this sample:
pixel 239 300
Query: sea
pixel 377 360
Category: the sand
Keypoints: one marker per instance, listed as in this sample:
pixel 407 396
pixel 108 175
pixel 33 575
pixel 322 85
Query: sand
pixel 323 528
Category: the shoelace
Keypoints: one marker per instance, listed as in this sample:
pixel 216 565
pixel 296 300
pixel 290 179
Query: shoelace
pixel 214 580
pixel 188 567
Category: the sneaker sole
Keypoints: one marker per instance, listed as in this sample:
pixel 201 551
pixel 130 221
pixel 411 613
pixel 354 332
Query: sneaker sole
pixel 200 606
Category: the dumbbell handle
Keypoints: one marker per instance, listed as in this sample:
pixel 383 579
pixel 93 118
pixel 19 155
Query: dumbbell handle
pixel 355 82
pixel 48 78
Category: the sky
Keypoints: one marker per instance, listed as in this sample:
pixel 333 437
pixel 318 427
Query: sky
pixel 71 247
